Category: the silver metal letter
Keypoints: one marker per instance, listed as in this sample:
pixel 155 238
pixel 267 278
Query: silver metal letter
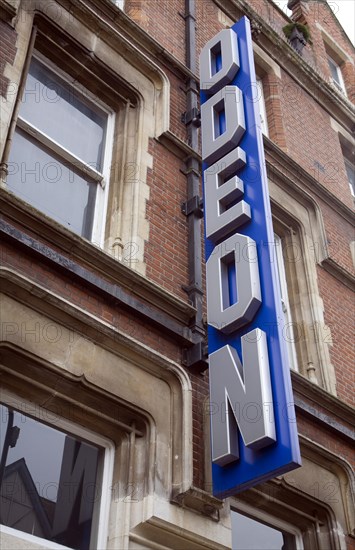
pixel 214 144
pixel 221 220
pixel 241 396
pixel 225 45
pixel 221 313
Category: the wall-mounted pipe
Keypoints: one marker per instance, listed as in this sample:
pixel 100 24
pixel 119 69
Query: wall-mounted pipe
pixel 192 208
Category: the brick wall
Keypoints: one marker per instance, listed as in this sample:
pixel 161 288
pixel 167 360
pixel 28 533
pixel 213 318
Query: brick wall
pixel 297 124
pixel 339 235
pixel 311 141
pixel 166 250
pixel 339 316
pixel 319 14
pixel 164 21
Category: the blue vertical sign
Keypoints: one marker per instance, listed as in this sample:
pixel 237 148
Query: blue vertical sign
pixel 253 425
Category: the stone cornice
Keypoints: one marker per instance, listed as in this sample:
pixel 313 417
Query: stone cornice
pixel 177 146
pixel 339 273
pixel 323 407
pixel 93 258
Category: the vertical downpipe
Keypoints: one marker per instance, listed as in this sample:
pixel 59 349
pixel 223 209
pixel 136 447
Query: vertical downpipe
pixel 194 289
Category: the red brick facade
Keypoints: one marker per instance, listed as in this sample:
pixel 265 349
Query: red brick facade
pixel 300 106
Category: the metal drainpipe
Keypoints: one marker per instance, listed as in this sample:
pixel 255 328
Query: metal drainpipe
pixel 193 207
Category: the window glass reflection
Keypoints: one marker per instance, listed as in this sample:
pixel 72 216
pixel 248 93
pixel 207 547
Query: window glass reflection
pixel 61 112
pixel 49 484
pixel 249 534
pixel 42 179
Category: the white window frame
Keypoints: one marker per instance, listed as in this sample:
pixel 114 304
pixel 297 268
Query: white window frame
pixel 57 422
pixel 290 342
pixel 340 85
pixel 101 178
pixel 269 519
pixel 262 107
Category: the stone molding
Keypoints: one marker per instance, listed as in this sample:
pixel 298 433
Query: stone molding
pixel 92 257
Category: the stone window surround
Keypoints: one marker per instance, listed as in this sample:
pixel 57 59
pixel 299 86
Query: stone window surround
pixel 299 224
pixel 85 410
pixel 316 521
pixel 142 113
pixel 153 437
pixel 337 56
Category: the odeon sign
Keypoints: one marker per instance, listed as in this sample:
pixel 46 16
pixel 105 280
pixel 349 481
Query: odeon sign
pixel 253 427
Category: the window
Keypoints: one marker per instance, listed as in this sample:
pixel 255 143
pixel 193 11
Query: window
pixel 60 156
pixel 288 333
pixel 283 513
pixel 347 144
pixel 52 476
pixel 249 534
pixel 336 76
pixel 350 172
pixel 303 243
pixel 262 108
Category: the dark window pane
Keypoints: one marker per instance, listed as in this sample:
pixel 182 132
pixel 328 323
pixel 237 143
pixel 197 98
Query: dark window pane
pixel 48 480
pixel 249 534
pixel 63 114
pixel 43 180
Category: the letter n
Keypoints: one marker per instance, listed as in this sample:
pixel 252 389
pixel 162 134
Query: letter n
pixel 234 388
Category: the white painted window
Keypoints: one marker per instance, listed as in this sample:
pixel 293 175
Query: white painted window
pixel 54 478
pixel 262 108
pixel 252 528
pixel 350 171
pixel 288 330
pixel 61 152
pixel 336 75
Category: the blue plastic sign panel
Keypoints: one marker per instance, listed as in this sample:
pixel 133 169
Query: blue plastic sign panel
pixel 253 425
